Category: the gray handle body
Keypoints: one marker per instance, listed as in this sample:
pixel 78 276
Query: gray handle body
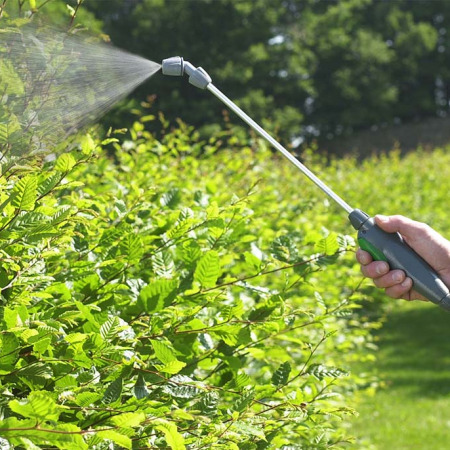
pixel 400 255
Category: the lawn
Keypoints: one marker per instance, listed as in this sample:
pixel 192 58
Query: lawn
pixel 412 410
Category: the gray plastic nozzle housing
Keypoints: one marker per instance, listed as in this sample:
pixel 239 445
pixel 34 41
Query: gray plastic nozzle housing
pixel 173 66
pixel 176 66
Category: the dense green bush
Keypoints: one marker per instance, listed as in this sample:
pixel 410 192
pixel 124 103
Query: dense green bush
pixel 166 294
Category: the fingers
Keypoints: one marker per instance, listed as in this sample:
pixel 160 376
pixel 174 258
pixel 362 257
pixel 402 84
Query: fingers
pixel 408 228
pixel 402 290
pixel 395 282
pixel 363 257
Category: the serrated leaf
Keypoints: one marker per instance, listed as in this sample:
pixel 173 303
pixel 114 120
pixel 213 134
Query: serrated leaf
pixel 24 193
pixel 171 367
pixel 41 345
pixel 63 436
pixel 208 269
pixel 244 400
pixel 9 350
pixel 281 375
pixel 163 264
pixel 36 373
pixel 173 438
pixel 10 78
pixel 129 419
pixel 171 198
pixel 117 438
pixel 48 183
pixel 181 386
pixel 249 429
pixel 180 228
pixel 113 391
pixel 321 371
pixel 153 297
pixel 208 403
pixel 109 328
pixel 38 405
pixel 131 247
pixel 65 162
pixel 283 248
pixel 163 352
pixel 87 398
pixel 329 245
pixel 190 251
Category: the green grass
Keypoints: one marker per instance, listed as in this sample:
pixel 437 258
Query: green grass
pixel 412 410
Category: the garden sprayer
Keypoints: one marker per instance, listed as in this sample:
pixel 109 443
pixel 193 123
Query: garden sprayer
pixel 383 246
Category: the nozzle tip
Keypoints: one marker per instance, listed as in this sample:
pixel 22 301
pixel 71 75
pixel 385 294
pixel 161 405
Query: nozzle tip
pixel 173 66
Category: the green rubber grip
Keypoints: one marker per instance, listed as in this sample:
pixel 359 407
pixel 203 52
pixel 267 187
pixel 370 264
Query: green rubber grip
pixel 376 254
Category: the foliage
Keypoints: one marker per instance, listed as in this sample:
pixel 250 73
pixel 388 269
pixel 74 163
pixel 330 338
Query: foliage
pixel 312 67
pixel 173 296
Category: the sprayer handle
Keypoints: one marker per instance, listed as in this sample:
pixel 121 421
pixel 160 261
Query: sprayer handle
pixel 392 248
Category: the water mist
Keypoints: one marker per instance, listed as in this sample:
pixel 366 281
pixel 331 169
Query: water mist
pixel 52 84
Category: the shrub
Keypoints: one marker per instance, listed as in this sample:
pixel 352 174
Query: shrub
pixel 172 295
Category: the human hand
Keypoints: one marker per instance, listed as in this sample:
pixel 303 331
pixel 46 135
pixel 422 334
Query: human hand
pixel 425 241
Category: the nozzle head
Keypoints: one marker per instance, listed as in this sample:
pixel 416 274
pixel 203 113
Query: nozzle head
pixel 173 66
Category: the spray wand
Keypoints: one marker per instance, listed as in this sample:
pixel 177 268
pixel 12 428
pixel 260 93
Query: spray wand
pixel 383 246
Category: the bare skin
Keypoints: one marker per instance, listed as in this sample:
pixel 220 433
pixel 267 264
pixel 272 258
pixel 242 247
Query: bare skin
pixel 428 243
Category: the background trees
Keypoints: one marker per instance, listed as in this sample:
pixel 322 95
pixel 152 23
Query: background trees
pixel 312 68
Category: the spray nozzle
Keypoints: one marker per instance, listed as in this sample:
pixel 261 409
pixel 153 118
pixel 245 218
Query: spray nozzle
pixel 176 66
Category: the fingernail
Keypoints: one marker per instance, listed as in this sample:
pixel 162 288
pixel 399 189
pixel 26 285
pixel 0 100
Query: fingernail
pixel 397 277
pixel 364 258
pixel 382 268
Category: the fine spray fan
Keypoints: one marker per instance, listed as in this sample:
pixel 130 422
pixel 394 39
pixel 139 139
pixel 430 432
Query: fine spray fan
pixel 389 247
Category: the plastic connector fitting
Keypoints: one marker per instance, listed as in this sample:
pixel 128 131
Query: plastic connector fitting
pixel 176 66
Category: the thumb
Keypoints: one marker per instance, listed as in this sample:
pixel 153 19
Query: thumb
pixel 410 229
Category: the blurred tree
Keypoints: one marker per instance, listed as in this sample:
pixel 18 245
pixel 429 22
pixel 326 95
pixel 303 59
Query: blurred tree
pixel 301 67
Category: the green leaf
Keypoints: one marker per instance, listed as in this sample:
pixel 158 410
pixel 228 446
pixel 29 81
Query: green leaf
pixel 42 345
pixel 87 398
pixel 24 193
pixel 181 386
pixel 163 352
pixel 321 371
pixel 174 439
pixel 190 251
pixel 113 391
pixel 10 80
pixel 244 400
pixel 283 248
pixel 109 328
pixel 248 429
pixel 9 350
pixel 131 247
pixel 328 246
pixel 128 420
pixel 119 439
pixel 281 375
pixel 209 402
pixel 154 296
pixel 39 405
pixel 35 374
pixel 171 198
pixel 87 144
pixel 65 162
pixel 171 367
pixel 208 269
pixel 62 435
